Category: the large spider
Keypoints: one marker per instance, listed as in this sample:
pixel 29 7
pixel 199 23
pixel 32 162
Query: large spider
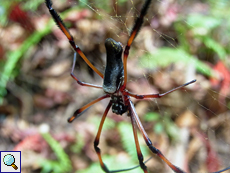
pixel 114 86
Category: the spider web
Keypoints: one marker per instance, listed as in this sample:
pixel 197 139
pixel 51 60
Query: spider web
pixel 199 113
pixel 190 126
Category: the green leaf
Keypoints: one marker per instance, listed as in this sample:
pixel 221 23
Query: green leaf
pixel 166 56
pixel 201 24
pixel 151 116
pixel 79 144
pixel 113 163
pixel 63 164
pixel 14 56
pixel 170 128
pixel 215 46
pixel 158 128
pixel 127 138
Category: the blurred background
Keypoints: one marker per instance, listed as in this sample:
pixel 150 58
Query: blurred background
pixel 180 40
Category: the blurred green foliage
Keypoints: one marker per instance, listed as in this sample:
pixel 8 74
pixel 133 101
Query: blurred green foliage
pixel 212 31
pixel 104 5
pixel 128 145
pixel 162 124
pixel 7 70
pixel 127 139
pixel 197 34
pixel 28 5
pixel 63 163
pixel 166 56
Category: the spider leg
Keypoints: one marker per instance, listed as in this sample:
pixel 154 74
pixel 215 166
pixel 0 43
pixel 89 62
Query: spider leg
pixel 96 141
pixel 79 112
pixel 98 150
pixel 139 154
pixel 225 169
pixel 134 33
pixel 148 141
pixel 78 81
pixel 157 95
pixel 64 29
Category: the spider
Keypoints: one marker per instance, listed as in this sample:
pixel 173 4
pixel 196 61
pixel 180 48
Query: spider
pixel 114 86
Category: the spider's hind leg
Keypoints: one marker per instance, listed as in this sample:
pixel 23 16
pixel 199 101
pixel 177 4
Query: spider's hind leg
pixel 96 141
pixel 148 142
pixel 139 154
pixel 98 150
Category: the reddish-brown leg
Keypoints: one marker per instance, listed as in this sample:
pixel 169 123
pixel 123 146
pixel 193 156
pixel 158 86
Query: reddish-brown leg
pixel 80 111
pixel 225 169
pixel 78 81
pixel 97 139
pixel 156 95
pixel 139 154
pixel 98 151
pixel 63 28
pixel 148 141
pixel 133 34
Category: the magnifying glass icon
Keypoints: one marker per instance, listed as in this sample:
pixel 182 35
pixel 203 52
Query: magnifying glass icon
pixel 9 160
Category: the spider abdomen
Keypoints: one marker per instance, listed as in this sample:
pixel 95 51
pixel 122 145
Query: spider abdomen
pixel 118 106
pixel 114 71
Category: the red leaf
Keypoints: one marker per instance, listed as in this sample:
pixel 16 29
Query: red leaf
pixel 223 81
pixel 18 15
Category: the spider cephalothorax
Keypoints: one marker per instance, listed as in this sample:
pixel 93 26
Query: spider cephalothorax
pixel 118 106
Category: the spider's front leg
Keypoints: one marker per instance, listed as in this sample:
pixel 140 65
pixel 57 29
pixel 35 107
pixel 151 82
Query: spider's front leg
pixel 135 30
pixel 75 78
pixel 156 95
pixel 64 29
pixel 80 111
